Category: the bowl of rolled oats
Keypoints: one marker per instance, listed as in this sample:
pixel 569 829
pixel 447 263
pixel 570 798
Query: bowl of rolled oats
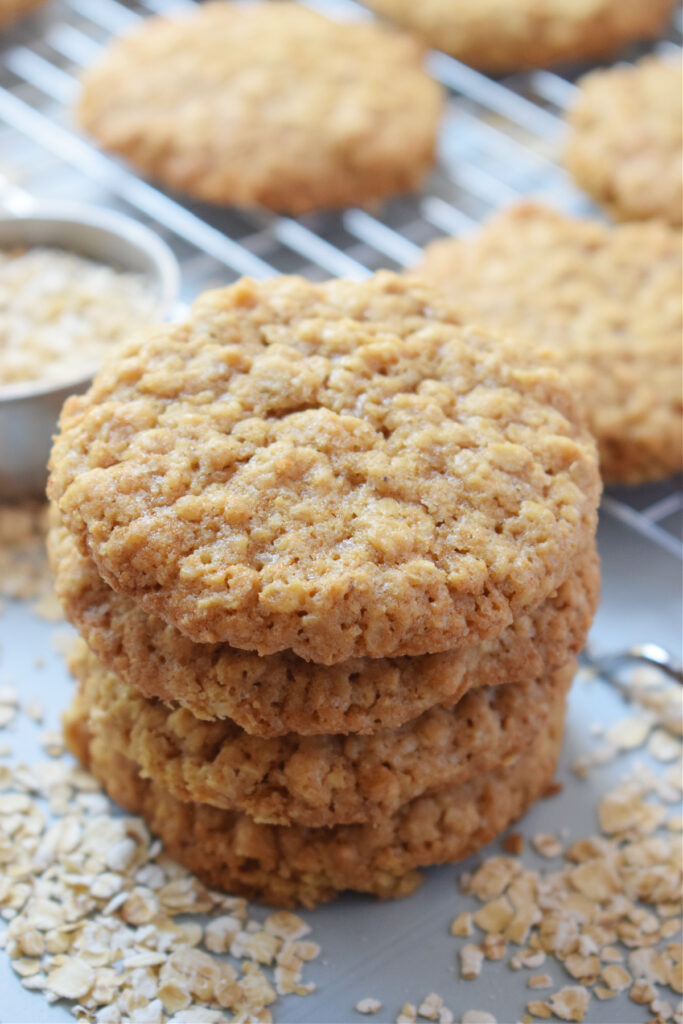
pixel 74 280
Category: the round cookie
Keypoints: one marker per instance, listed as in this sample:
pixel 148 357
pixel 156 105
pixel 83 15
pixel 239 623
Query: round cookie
pixel 506 35
pixel 625 143
pixel 281 693
pixel 317 780
pixel 340 470
pixel 606 300
pixel 10 10
pixel 267 105
pixel 285 866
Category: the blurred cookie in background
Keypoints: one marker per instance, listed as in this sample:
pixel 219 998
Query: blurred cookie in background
pixel 626 143
pixel 606 301
pixel 267 105
pixel 501 36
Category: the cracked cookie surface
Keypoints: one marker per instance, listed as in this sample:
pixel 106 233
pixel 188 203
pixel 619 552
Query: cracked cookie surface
pixel 625 144
pixel 286 866
pixel 267 105
pixel 280 693
pixel 317 780
pixel 339 470
pixel 607 300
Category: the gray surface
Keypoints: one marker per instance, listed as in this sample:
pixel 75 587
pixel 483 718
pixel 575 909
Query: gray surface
pixel 402 950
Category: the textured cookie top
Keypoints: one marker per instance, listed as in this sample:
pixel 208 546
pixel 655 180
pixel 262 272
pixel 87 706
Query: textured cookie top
pixel 500 35
pixel 626 139
pixel 317 780
pixel 281 693
pixel 608 302
pixel 267 104
pixel 339 469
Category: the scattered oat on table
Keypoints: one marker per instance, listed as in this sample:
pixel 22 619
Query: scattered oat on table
pixel 612 913
pixel 96 914
pixel 24 573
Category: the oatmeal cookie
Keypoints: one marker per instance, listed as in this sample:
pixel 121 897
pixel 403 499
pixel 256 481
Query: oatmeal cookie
pixel 316 780
pixel 506 35
pixel 626 139
pixel 606 299
pixel 340 470
pixel 10 10
pixel 285 866
pixel 281 693
pixel 267 105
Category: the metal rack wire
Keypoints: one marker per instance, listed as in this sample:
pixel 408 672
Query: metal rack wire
pixel 500 141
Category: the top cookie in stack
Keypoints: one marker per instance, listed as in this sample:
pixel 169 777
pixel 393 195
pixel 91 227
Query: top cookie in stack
pixel 313 511
pixel 341 470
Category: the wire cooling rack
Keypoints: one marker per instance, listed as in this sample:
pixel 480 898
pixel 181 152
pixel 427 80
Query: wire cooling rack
pixel 500 140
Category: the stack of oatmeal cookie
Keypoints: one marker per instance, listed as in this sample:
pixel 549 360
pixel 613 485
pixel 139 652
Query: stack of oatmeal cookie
pixel 331 554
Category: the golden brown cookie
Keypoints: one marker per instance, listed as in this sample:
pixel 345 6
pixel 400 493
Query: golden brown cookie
pixel 285 866
pixel 607 300
pixel 341 470
pixel 282 693
pixel 506 35
pixel 10 10
pixel 626 139
pixel 267 104
pixel 317 780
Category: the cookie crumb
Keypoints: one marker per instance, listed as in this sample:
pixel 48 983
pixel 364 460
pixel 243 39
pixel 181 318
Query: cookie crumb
pixel 553 789
pixel 513 843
